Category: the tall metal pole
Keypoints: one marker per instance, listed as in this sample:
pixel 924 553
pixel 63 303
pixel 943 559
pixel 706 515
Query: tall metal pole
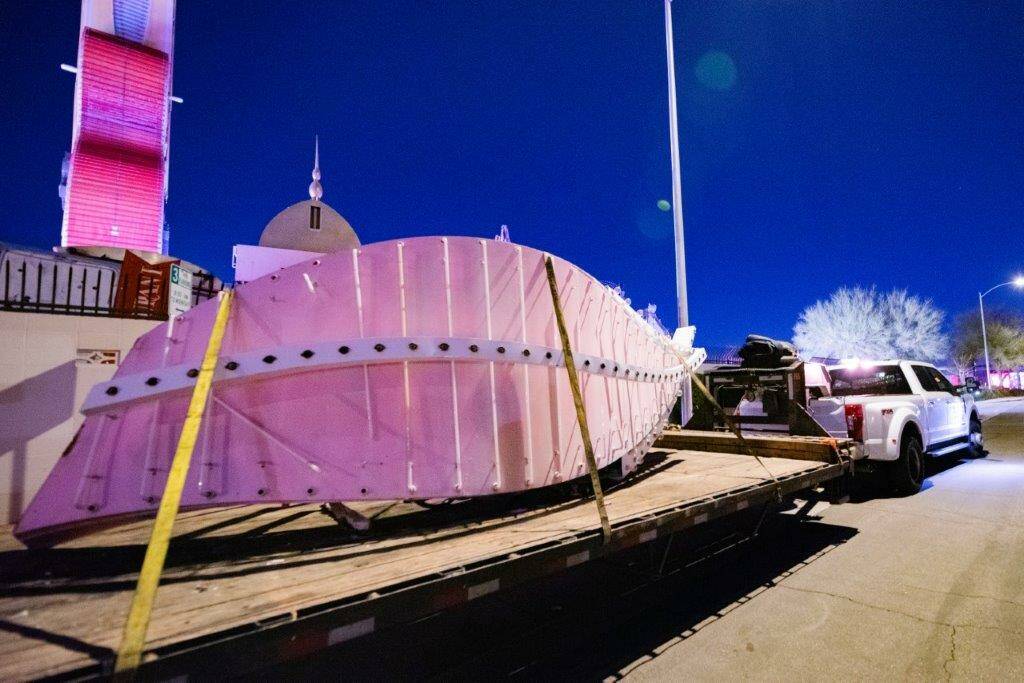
pixel 677 181
pixel 984 338
pixel 1016 282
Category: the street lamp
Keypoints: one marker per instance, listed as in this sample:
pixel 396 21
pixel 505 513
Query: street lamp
pixel 682 307
pixel 1016 282
pixel 677 182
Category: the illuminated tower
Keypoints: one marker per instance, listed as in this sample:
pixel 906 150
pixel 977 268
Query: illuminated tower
pixel 117 172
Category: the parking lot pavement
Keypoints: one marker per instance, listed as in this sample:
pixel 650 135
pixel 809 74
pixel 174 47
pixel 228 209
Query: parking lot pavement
pixel 931 586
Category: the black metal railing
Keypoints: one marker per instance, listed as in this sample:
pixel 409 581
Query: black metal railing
pixel 44 288
pixel 204 286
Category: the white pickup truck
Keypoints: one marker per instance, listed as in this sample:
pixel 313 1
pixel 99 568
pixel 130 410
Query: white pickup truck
pixel 898 411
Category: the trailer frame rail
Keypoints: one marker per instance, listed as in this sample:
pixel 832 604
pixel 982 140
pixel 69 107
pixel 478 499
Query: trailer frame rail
pixel 303 632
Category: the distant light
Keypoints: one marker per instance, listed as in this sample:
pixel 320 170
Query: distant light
pixel 716 70
pixel 856 364
pixel 1018 281
pixel 665 205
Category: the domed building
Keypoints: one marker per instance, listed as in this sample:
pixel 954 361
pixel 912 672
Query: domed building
pixel 304 229
pixel 310 225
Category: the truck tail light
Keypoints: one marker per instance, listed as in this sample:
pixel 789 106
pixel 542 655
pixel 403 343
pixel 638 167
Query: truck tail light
pixel 855 421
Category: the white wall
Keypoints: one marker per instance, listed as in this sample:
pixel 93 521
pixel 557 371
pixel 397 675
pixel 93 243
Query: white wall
pixel 43 382
pixel 251 262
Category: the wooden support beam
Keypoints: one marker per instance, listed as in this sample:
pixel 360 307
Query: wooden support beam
pixel 577 397
pixel 821 449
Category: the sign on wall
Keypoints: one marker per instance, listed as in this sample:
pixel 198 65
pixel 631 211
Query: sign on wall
pixel 181 291
pixel 98 357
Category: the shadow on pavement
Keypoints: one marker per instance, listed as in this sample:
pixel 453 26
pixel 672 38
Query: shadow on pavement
pixel 593 621
pixel 873 485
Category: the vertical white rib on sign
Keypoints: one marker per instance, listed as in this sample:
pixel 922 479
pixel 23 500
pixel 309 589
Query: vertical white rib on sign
pixel 490 366
pixel 410 481
pixel 526 373
pixel 362 334
pixel 147 479
pixel 451 365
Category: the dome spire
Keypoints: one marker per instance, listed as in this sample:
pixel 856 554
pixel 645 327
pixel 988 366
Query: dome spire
pixel 316 190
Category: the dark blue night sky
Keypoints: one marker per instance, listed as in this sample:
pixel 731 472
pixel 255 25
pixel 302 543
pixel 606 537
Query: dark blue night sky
pixel 823 143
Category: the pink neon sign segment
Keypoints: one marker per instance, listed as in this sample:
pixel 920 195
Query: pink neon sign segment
pixel 116 184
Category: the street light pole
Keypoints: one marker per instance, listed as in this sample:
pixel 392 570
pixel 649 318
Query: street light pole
pixel 677 181
pixel 1016 282
pixel 984 338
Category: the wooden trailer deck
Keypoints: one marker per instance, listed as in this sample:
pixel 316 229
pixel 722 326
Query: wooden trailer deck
pixel 248 586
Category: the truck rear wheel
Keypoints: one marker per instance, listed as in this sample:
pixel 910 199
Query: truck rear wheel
pixel 907 473
pixel 976 440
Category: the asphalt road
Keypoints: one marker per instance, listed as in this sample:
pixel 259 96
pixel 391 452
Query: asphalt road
pixel 926 587
pixel 931 586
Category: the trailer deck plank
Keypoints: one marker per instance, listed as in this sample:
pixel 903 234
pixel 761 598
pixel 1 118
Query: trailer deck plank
pixel 63 609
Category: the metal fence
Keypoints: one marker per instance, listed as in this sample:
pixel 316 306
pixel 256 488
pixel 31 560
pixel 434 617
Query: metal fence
pixel 204 286
pixel 38 284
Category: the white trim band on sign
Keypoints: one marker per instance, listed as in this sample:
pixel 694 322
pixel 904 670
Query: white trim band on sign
pixel 366 351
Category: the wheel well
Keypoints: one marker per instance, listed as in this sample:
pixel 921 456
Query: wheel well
pixel 975 416
pixel 911 429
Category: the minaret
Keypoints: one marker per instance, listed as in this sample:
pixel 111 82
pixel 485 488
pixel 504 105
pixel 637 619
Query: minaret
pixel 316 190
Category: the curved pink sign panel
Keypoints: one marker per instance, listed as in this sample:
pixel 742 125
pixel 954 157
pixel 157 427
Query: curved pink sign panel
pixel 412 369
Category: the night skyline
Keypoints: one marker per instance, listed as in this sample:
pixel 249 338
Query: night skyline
pixel 821 146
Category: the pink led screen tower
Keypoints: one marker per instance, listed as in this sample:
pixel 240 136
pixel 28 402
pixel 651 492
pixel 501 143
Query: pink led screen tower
pixel 117 176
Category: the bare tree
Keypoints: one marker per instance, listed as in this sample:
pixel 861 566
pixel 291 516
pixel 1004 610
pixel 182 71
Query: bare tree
pixel 858 322
pixel 849 323
pixel 915 326
pixel 964 360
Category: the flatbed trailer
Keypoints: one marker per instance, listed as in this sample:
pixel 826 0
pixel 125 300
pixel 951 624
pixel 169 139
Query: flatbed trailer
pixel 248 587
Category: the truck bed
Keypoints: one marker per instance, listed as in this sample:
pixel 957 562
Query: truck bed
pixel 289 581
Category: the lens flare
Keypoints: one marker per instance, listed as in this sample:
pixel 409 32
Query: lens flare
pixel 716 70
